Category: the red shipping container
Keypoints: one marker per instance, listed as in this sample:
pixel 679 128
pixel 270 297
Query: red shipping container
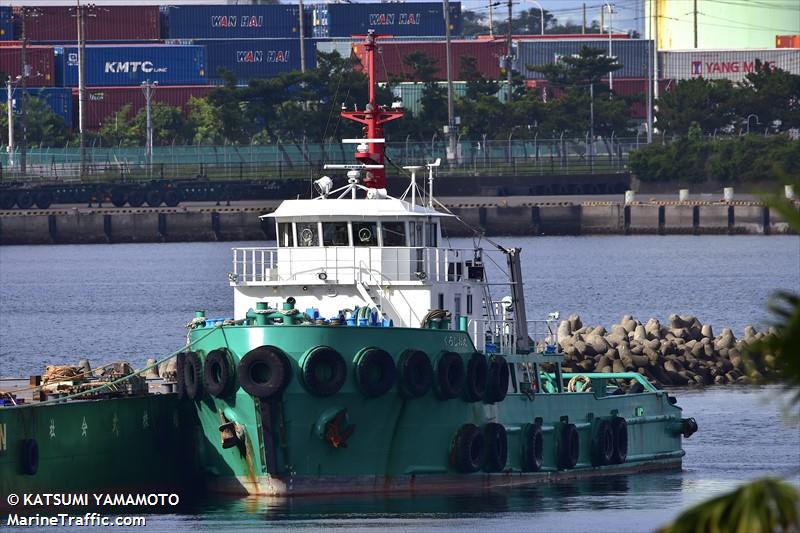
pixel 40 58
pixel 103 23
pixel 103 102
pixel 787 41
pixel 390 59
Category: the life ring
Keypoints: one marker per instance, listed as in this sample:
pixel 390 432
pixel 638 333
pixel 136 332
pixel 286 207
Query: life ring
pixel 496 447
pixel 498 380
pixel 30 457
pixel 620 428
pixel 375 371
pixel 264 372
pixel 603 444
pixel 570 447
pixel 579 383
pixel 477 378
pixel 180 382
pixel 449 375
pixel 218 373
pixel 469 446
pixel 533 448
pixel 323 371
pixel 416 373
pixel 193 376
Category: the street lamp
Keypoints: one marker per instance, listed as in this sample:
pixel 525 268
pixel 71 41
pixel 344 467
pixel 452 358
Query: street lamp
pixel 10 105
pixel 541 14
pixel 758 122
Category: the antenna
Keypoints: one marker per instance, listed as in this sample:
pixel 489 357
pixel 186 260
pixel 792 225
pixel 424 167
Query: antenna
pixel 431 166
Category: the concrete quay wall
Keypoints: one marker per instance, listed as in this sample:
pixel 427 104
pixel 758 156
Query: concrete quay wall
pixel 492 217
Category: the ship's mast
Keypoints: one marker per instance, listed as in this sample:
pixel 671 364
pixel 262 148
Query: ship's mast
pixel 373 117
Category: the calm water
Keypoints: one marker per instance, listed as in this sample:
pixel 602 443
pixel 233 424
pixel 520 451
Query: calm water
pixel 62 303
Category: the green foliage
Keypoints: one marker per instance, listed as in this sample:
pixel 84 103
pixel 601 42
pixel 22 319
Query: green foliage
pixel 579 71
pixel 763 506
pixel 204 120
pixel 527 22
pixel 44 126
pixel 118 130
pixel 169 124
pixel 747 158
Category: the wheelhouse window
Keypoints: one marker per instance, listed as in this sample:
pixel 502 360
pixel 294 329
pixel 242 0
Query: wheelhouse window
pixel 365 234
pixel 284 234
pixel 415 230
pixel 335 234
pixel 432 234
pixel 393 233
pixel 307 234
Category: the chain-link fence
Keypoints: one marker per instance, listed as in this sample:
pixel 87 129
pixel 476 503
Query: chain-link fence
pixel 301 160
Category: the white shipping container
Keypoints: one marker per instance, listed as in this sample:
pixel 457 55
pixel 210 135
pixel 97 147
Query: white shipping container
pixel 731 65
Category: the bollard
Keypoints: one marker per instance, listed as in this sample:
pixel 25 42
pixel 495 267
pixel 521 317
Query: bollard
pixel 153 372
pixel 630 197
pixel 789 192
pixel 683 195
pixel 727 194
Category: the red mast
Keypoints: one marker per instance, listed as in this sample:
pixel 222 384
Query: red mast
pixel 373 118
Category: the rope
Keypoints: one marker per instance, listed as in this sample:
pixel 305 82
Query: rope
pixel 114 383
pixel 434 314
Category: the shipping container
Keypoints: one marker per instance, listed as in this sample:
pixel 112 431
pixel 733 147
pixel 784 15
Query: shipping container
pixel 787 41
pixel 390 60
pixel 103 102
pixel 400 19
pixel 731 65
pixel 59 99
pixel 256 58
pixel 411 93
pixel 108 65
pixel 559 36
pixel 343 46
pixel 40 58
pixel 632 54
pixel 234 21
pixel 6 24
pixel 56 24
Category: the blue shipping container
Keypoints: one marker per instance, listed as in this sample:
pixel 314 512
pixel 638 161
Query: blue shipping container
pixel 233 21
pixel 59 99
pixel 108 66
pixel 6 24
pixel 256 58
pixel 411 19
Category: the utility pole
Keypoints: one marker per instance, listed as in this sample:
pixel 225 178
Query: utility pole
pixel 148 89
pixel 695 23
pixel 451 122
pixel 509 57
pixel 491 18
pixel 10 104
pixel 583 26
pixel 26 71
pixel 655 50
pixel 610 73
pixel 302 37
pixel 650 72
pixel 81 21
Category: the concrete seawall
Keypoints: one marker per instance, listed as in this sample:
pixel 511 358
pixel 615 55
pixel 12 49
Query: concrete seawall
pixel 494 217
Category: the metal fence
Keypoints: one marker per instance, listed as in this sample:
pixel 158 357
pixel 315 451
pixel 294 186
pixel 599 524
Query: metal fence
pixel 304 160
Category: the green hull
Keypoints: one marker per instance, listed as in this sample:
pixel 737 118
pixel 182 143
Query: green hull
pixel 136 443
pixel 402 444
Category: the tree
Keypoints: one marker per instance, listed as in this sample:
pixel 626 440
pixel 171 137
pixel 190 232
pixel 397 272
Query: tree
pixel 204 120
pixel 473 24
pixel 44 126
pixel 773 95
pixel 709 103
pixel 118 130
pixel 528 22
pixel 169 124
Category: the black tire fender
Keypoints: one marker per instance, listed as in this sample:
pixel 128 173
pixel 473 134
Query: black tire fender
pixel 218 375
pixel 450 375
pixel 323 371
pixel 532 448
pixel 498 380
pixel 496 447
pixel 375 372
pixel 193 376
pixel 415 374
pixel 620 429
pixel 477 378
pixel 265 372
pixel 180 381
pixel 603 444
pixel 30 457
pixel 569 446
pixel 468 449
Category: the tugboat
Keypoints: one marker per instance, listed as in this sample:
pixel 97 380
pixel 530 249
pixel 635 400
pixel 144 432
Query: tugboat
pixel 367 355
